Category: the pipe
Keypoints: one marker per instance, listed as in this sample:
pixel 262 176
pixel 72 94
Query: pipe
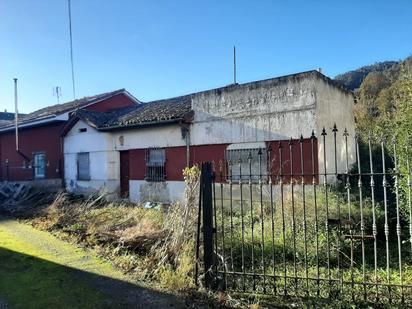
pixel 16 122
pixel 187 146
pixel 16 116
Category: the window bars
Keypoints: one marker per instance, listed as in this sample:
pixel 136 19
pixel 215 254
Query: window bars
pixel 346 234
pixel 155 164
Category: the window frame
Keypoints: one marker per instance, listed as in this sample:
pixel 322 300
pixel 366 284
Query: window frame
pixel 79 154
pixel 35 167
pixel 155 171
pixel 259 173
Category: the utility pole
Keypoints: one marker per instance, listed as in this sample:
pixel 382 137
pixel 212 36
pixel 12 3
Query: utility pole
pixel 71 48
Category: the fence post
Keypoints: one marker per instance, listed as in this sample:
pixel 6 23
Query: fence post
pixel 207 204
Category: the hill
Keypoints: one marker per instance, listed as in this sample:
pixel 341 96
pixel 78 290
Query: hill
pixel 353 79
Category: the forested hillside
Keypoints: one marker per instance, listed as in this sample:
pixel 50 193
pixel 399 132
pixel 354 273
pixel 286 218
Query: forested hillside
pixel 384 96
pixel 383 108
pixel 353 79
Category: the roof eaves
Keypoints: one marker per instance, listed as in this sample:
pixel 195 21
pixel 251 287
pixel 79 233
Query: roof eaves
pixel 140 124
pixel 30 123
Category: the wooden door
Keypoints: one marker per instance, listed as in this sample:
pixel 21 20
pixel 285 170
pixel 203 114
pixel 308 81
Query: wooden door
pixel 124 174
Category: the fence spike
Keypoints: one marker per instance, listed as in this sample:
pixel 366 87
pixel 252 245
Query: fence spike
pixel 313 136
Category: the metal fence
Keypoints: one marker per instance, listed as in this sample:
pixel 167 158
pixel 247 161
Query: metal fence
pixel 342 235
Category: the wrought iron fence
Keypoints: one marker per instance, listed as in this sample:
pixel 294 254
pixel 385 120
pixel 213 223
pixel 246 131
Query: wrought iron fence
pixel 307 225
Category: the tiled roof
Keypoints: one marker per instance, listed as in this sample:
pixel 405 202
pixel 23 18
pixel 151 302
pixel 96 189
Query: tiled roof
pixel 66 107
pixel 7 119
pixel 58 109
pixel 5 116
pixel 155 112
pixel 174 109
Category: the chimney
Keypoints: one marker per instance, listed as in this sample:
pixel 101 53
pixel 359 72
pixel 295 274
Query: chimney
pixel 320 70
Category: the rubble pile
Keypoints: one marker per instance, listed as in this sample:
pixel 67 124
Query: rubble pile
pixel 19 197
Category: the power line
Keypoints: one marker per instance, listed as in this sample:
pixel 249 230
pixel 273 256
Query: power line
pixel 71 48
pixel 234 64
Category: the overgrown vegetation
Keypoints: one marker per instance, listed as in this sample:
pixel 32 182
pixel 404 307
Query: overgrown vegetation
pixel 153 244
pixel 254 242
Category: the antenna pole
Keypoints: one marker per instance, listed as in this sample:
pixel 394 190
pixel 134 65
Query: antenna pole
pixel 16 115
pixel 57 92
pixel 234 64
pixel 71 48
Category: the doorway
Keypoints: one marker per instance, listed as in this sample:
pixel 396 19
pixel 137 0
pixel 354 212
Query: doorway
pixel 124 174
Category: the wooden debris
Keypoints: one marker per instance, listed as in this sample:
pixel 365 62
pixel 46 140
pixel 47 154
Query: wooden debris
pixel 18 197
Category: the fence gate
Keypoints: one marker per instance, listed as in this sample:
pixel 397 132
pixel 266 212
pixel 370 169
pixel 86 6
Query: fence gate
pixel 282 221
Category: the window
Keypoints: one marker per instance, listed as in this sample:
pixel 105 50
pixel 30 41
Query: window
pixel 39 165
pixel 155 164
pixel 83 166
pixel 247 163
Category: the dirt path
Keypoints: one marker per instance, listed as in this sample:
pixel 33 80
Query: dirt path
pixel 69 270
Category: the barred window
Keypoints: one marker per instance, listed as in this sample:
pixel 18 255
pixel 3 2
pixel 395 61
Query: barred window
pixel 155 164
pixel 83 166
pixel 247 164
pixel 39 165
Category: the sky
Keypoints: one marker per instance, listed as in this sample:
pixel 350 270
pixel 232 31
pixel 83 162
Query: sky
pixel 159 49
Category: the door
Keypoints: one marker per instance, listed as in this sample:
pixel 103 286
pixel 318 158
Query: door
pixel 124 174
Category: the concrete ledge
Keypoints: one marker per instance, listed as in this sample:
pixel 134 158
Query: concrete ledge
pixel 44 184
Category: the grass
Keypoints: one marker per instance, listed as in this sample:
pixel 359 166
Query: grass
pixel 29 278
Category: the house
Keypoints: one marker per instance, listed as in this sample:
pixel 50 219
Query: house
pixel 38 156
pixel 139 152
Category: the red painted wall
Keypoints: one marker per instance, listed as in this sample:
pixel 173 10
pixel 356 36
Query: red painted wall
pixel 212 153
pixel 39 139
pixel 137 164
pixel 289 158
pixel 120 100
pixel 176 161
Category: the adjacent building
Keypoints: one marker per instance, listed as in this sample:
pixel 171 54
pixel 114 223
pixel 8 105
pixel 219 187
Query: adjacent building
pixel 37 157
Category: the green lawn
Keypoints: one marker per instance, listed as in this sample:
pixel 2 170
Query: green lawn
pixel 38 270
pixel 31 278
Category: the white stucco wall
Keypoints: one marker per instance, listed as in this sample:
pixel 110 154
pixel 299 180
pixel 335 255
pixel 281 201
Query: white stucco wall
pixel 277 110
pixel 261 111
pixel 104 161
pixel 334 106
pixel 166 192
pixel 160 136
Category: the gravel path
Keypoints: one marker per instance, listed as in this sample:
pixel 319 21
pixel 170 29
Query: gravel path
pixel 120 290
